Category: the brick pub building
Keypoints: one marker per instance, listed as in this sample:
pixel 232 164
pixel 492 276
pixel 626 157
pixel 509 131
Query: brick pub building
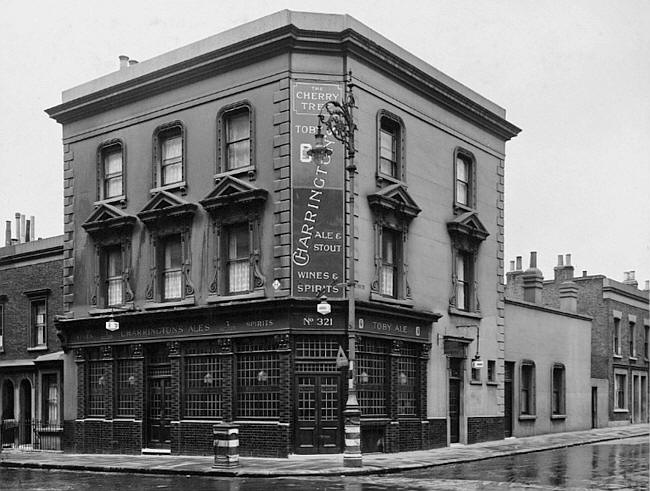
pixel 195 218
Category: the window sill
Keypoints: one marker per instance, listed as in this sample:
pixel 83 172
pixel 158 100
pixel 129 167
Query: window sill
pixel 235 298
pixel 475 382
pixel 461 208
pixel 176 186
pixel 118 309
pixel 617 356
pixel 492 383
pixel 256 422
pixel 377 297
pixel 121 200
pixel 621 410
pixel 370 420
pixel 38 348
pixel 465 313
pixel 558 416
pixel 168 305
pixel 381 178
pixel 250 171
pixel 633 358
pixel 527 417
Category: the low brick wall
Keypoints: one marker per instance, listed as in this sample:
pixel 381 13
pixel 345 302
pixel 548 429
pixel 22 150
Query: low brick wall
pixel 484 429
pixel 264 440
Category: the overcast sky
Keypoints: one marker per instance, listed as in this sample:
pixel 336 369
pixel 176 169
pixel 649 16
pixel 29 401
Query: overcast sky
pixel 574 75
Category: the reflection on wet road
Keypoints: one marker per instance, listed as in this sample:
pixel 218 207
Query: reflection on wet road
pixel 620 464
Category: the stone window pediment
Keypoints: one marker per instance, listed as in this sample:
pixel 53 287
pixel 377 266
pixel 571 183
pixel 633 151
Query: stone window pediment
pixel 164 207
pixel 394 199
pixel 230 194
pixel 467 230
pixel 107 218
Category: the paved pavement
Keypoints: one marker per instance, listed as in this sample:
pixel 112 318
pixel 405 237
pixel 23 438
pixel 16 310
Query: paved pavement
pixel 316 465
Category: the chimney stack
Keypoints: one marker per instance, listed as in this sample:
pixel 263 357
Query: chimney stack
pixel 630 280
pixel 533 281
pixel 569 296
pixel 563 271
pixel 8 233
pixel 514 280
pixel 124 62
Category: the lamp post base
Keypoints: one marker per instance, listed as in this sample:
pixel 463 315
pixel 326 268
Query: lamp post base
pixel 352 453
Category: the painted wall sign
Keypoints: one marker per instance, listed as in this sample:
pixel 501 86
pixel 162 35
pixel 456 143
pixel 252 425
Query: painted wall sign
pixel 393 326
pixel 317 215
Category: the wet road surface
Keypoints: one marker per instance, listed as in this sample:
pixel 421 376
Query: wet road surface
pixel 618 464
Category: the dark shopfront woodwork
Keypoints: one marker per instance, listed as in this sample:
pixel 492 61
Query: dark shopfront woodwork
pixel 507 397
pixel 318 401
pixel 159 397
pixel 455 386
pixel 269 365
pixel 318 416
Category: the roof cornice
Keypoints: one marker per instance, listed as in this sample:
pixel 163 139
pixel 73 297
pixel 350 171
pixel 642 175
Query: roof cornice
pixel 288 38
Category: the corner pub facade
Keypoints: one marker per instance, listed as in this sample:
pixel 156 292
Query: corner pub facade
pixel 195 218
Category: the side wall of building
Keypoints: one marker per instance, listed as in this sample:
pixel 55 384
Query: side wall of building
pixel 549 338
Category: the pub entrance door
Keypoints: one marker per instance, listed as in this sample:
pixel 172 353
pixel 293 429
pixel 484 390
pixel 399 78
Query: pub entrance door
pixel 318 415
pixel 159 398
pixel 455 392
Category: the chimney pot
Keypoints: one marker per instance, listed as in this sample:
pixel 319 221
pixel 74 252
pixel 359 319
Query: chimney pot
pixel 17 217
pixel 8 233
pixel 560 260
pixel 23 229
pixel 512 265
pixel 133 62
pixel 647 282
pixel 584 273
pixel 124 61
pixel 533 259
pixel 519 267
pixel 567 259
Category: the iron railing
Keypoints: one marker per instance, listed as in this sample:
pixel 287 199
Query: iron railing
pixel 30 434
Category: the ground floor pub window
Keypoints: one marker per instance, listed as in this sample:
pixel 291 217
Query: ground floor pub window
pixel 372 375
pixel 203 377
pixel 125 383
pixel 258 379
pixel 96 380
pixel 407 380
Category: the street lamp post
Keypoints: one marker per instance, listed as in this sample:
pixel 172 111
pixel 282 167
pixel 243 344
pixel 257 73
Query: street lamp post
pixel 337 118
